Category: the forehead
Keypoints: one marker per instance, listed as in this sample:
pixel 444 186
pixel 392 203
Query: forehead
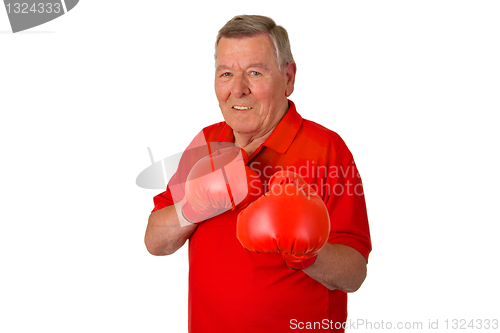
pixel 232 51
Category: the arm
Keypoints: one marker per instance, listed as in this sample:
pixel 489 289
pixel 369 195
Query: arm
pixel 164 234
pixel 338 266
pixel 205 195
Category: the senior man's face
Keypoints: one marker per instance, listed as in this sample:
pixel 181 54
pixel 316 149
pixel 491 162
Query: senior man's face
pixel 251 90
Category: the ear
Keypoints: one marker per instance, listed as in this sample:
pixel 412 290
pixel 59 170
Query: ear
pixel 290 70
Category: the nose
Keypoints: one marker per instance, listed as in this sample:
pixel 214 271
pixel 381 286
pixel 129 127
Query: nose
pixel 240 86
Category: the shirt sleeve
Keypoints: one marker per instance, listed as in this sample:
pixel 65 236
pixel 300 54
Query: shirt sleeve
pixel 345 201
pixel 162 200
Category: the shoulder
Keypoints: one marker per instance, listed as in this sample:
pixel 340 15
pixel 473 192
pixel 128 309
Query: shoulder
pixel 315 129
pixel 323 136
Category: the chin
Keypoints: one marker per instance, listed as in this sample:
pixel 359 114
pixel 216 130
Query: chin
pixel 243 128
pixel 241 124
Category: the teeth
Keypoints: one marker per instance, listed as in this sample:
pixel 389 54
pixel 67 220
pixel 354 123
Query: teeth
pixel 241 107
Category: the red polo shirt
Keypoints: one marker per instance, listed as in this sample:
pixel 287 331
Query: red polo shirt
pixel 235 290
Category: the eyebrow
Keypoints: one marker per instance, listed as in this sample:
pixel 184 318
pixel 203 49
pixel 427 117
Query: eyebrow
pixel 221 68
pixel 258 65
pixel 254 65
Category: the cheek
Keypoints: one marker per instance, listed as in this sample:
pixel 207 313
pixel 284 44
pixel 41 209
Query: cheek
pixel 261 90
pixel 221 90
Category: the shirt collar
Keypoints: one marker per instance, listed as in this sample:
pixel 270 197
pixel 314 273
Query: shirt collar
pixel 282 136
pixel 226 134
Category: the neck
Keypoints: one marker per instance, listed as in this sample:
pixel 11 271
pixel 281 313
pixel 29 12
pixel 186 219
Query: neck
pixel 250 143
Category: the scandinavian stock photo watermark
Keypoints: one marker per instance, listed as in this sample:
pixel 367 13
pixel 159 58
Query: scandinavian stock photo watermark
pixel 329 180
pixel 366 324
pixel 26 14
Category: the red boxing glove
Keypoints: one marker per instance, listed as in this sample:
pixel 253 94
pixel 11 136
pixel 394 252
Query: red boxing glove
pixel 219 182
pixel 290 219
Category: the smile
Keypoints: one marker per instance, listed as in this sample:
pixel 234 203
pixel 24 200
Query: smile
pixel 241 107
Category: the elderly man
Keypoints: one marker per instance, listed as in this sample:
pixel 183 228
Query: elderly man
pixel 238 280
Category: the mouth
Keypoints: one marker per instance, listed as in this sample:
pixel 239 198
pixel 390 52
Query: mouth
pixel 241 108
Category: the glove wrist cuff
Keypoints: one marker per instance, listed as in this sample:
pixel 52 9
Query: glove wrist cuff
pixel 298 264
pixel 189 214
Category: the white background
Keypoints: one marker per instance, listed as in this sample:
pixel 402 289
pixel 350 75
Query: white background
pixel 412 87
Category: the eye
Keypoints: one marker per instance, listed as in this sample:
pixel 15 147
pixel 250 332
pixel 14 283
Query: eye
pixel 254 73
pixel 226 74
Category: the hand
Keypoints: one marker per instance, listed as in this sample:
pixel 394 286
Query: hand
pixel 219 182
pixel 290 219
